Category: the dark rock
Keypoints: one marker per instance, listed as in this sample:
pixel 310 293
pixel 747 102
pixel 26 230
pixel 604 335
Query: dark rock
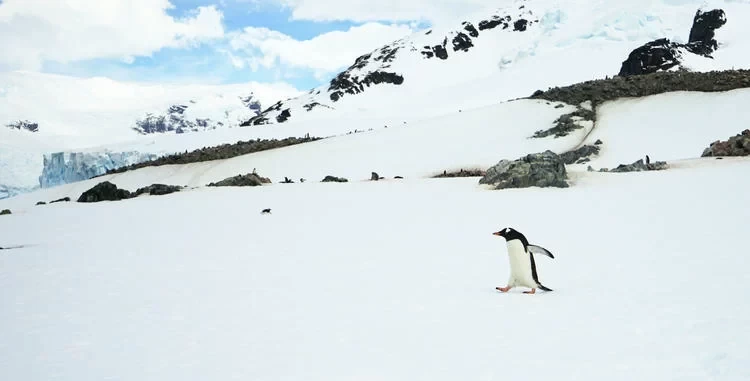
pixel 738 145
pixel 494 22
pixel 375 177
pixel 248 180
pixel 283 116
pixel 5 212
pixel 24 125
pixel 544 169
pixel 520 25
pixel 312 105
pixel 580 155
pixel 598 142
pixel 334 179
pixel 104 191
pixel 398 177
pixel 41 203
pixel 287 181
pixel 702 32
pixel 657 55
pixel 567 123
pixel 462 42
pixel 64 199
pixel 438 51
pixel 640 166
pixel 469 27
pixel 157 190
pixel 462 173
pixel 662 54
pixel 345 84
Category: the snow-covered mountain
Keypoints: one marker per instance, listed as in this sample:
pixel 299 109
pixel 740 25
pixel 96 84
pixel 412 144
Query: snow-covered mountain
pixel 512 51
pixel 48 114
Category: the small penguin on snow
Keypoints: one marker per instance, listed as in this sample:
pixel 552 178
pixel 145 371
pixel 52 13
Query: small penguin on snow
pixel 522 266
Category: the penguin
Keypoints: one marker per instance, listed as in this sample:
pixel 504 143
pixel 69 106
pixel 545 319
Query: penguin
pixel 522 265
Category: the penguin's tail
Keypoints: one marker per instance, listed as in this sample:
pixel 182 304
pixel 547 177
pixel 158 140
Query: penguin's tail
pixel 544 288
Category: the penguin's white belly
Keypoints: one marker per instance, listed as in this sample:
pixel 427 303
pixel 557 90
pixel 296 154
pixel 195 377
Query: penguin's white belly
pixel 520 266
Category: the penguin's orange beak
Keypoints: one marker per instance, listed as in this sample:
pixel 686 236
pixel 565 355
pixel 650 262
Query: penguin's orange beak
pixel 497 233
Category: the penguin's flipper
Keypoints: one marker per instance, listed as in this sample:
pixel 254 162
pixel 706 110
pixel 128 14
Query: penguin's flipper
pixel 534 249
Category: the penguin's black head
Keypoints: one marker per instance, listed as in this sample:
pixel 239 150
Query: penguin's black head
pixel 507 233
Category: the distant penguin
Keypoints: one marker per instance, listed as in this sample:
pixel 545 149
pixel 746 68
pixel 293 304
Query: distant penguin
pixel 266 211
pixel 522 265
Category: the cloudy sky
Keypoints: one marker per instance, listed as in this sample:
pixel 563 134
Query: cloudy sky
pixel 300 42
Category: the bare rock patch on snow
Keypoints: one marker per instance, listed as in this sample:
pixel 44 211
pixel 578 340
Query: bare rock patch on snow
pixel 738 145
pixel 545 169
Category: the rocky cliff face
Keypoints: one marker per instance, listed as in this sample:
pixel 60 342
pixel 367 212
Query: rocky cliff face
pixel 663 54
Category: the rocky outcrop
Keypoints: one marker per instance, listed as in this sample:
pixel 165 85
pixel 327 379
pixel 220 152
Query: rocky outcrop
pixel 657 55
pixel 157 190
pixel 345 83
pixel 738 145
pixel 580 155
pixel 544 169
pixel 64 199
pixel 5 212
pixel 24 125
pixel 602 90
pixel 461 173
pixel 640 166
pixel 283 116
pixel 702 32
pixel 663 54
pixel 104 191
pixel 334 179
pixel 224 151
pixel 248 180
pixel 567 123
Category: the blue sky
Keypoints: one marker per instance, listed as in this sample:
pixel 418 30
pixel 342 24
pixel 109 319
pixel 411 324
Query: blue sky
pixel 198 41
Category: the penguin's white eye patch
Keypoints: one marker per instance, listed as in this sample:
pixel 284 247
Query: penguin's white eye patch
pixel 507 230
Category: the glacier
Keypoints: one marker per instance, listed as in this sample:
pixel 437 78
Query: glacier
pixel 67 167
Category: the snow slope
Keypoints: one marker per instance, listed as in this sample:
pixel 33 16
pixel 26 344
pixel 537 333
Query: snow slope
pixel 672 126
pixel 384 281
pixel 394 280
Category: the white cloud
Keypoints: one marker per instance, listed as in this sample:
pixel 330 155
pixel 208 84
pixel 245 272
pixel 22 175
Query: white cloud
pixel 433 11
pixel 323 54
pixel 35 31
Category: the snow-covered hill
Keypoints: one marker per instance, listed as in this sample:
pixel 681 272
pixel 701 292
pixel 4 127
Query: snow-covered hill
pixel 395 279
pixel 510 52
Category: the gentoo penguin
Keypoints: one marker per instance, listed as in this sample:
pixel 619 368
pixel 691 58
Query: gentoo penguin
pixel 522 265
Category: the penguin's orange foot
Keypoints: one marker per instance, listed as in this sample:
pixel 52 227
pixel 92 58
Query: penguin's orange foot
pixel 533 291
pixel 503 289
